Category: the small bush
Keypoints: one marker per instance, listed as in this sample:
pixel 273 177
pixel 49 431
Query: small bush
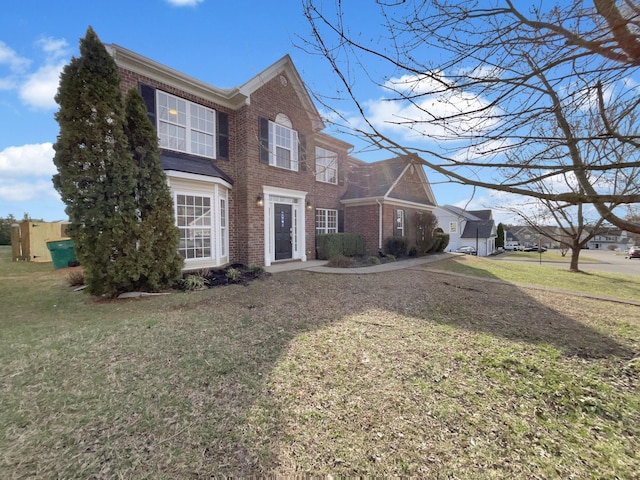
pixel 443 241
pixel 233 274
pixel 389 258
pixel 396 246
pixel 75 278
pixel 373 260
pixel 193 282
pixel 340 261
pixel 333 244
pixel 255 270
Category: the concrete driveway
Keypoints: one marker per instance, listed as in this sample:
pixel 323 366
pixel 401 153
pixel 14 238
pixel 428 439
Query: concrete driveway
pixel 612 262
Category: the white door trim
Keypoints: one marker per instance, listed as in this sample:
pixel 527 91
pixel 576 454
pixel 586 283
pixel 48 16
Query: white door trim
pixel 298 198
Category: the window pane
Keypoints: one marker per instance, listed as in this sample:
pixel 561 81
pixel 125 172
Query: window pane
pixel 284 144
pixel 326 166
pixel 194 220
pixel 185 126
pixel 283 157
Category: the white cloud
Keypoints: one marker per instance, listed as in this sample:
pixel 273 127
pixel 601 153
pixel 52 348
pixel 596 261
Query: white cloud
pixel 25 173
pixel 12 191
pixel 184 3
pixel 54 47
pixel 9 57
pixel 433 113
pixel 36 88
pixel 40 88
pixel 27 160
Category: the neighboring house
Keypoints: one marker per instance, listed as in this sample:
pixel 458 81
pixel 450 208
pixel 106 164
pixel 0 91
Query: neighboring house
pixel 606 238
pixel 468 228
pixel 252 174
pixel 609 237
pixel 510 240
pixel 528 236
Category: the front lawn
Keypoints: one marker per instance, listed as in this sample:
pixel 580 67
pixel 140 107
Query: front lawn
pixel 599 283
pixel 405 373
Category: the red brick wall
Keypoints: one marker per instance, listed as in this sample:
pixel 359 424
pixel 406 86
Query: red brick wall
pixel 268 101
pixel 363 219
pixel 246 219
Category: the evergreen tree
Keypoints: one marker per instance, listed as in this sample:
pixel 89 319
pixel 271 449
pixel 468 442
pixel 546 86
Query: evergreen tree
pixel 500 236
pixel 5 229
pixel 96 174
pixel 158 260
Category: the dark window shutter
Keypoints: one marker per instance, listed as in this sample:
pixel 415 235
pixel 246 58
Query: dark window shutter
pixel 263 125
pixel 302 152
pixel 223 135
pixel 341 221
pixel 148 94
pixel 395 223
pixel 340 170
pixel 405 223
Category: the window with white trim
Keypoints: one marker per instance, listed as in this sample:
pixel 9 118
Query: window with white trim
pixel 400 223
pixel 326 166
pixel 194 218
pixel 185 126
pixel 326 221
pixel 453 227
pixel 284 144
pixel 224 230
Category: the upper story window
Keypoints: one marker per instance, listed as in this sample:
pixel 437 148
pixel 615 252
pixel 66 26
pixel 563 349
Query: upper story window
pixel 279 143
pixel 326 166
pixel 186 126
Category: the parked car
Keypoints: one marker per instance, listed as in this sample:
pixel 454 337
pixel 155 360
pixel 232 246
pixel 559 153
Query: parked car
pixel 634 252
pixel 535 249
pixel 514 247
pixel 467 250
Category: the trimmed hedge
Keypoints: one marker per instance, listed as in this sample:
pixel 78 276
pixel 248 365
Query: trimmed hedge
pixel 396 246
pixel 333 244
pixel 443 241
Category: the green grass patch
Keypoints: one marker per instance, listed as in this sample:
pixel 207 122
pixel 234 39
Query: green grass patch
pixel 548 256
pixel 600 283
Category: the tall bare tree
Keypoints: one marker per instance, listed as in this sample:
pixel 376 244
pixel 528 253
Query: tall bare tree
pixel 484 83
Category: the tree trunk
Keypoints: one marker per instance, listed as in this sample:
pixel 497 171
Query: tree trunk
pixel 575 255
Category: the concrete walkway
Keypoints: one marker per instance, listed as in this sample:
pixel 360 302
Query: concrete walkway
pixel 319 266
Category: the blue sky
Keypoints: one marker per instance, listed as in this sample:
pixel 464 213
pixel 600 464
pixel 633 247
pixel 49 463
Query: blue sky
pixel 222 43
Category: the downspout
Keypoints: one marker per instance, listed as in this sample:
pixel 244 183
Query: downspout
pixel 379 224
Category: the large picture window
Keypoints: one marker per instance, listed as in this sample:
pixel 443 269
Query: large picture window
pixel 185 126
pixel 195 221
pixel 326 221
pixel 326 166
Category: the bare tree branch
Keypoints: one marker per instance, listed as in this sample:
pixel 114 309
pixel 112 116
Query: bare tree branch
pixel 494 97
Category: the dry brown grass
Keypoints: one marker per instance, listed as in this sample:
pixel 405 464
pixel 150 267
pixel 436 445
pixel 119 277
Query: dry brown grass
pixel 407 373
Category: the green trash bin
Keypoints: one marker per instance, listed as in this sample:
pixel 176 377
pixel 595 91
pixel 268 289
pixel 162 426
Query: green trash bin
pixel 63 253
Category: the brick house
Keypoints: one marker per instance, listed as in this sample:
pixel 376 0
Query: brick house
pixel 252 173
